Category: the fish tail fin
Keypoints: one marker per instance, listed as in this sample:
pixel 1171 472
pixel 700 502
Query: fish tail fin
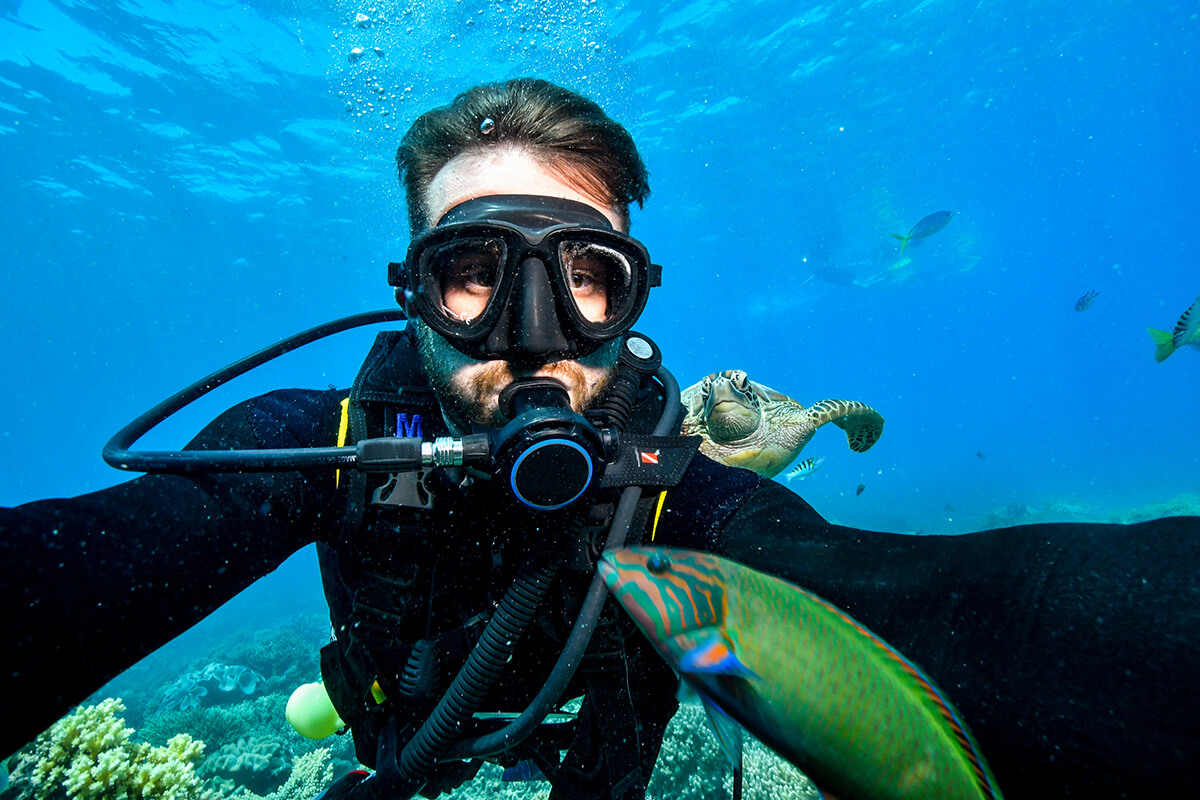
pixel 1163 345
pixel 903 241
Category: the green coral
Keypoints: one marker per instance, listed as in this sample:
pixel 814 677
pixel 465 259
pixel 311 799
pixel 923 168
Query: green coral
pixel 89 756
pixel 219 725
pixel 288 653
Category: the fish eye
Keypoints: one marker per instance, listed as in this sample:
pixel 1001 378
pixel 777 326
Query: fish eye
pixel 658 563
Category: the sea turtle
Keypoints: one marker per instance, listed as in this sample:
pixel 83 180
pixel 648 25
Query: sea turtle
pixel 746 424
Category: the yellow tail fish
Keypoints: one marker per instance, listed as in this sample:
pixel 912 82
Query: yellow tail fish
pixel 1187 331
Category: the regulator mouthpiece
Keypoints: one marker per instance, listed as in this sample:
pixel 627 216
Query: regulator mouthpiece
pixel 549 455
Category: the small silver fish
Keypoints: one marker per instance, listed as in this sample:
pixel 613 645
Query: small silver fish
pixel 1187 331
pixel 928 226
pixel 806 467
pixel 1085 302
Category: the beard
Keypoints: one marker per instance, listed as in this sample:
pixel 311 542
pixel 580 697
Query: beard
pixel 469 389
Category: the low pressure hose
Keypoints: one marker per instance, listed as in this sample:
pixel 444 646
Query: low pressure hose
pixel 589 614
pixel 547 698
pixel 639 357
pixel 476 678
pixel 435 740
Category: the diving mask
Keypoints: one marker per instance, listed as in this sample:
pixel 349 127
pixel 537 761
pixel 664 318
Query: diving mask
pixel 525 278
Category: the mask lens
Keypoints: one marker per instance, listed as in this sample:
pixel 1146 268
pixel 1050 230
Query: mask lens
pixel 463 274
pixel 599 276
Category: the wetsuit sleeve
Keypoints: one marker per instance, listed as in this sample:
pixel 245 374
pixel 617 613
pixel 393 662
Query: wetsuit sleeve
pixel 93 583
pixel 1071 649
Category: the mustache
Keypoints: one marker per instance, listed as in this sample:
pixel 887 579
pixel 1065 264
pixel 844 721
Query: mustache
pixel 497 374
pixel 467 389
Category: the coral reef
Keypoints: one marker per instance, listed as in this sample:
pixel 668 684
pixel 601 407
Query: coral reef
pixel 288 653
pixel 692 767
pixel 1179 506
pixel 218 726
pixel 1077 510
pixel 311 774
pixel 214 685
pixel 260 763
pixel 89 756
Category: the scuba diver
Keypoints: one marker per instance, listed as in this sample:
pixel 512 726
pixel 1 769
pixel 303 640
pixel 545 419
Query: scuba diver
pixel 491 450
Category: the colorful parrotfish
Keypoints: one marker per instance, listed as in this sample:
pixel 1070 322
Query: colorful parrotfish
pixel 817 687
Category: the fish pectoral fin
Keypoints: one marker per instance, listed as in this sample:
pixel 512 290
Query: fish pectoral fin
pixel 714 655
pixel 728 732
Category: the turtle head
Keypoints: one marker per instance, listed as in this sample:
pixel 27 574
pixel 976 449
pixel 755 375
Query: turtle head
pixel 731 404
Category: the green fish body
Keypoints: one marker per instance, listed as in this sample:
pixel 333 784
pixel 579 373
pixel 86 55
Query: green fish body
pixel 802 676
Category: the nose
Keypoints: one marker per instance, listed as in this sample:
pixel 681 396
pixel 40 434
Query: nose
pixel 529 329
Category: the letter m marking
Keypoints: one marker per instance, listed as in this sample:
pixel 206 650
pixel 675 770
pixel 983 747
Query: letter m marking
pixel 406 428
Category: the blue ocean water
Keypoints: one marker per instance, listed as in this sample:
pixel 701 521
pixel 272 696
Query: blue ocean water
pixel 187 181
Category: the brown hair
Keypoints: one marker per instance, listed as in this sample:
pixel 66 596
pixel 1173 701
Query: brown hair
pixel 572 133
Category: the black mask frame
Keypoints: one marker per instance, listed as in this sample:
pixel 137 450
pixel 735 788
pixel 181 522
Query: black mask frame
pixel 530 316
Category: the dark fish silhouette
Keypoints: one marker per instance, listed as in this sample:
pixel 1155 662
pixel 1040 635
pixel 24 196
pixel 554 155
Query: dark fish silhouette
pixel 926 227
pixel 859 490
pixel 980 454
pixel 1085 302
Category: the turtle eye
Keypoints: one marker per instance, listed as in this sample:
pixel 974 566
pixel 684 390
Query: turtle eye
pixel 706 385
pixel 740 381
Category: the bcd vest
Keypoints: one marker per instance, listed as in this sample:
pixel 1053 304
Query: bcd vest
pixel 423 560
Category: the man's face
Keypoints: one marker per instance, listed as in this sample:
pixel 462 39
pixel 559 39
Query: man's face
pixel 468 388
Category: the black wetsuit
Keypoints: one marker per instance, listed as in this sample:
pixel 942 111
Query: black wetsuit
pixel 1073 651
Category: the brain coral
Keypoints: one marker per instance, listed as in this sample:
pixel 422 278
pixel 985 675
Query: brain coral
pixel 214 685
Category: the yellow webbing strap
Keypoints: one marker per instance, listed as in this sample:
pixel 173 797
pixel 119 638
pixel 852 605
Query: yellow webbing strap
pixel 662 498
pixel 343 432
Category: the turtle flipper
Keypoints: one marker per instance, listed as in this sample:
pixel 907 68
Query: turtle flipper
pixel 863 425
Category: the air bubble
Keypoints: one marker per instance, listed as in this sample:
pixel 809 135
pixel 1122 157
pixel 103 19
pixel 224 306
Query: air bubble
pixel 355 54
pixel 487 126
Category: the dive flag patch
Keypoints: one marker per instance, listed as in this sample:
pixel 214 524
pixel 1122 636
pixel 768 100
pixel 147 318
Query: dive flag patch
pixel 648 457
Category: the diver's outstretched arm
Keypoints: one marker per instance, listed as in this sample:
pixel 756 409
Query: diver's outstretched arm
pixel 1072 650
pixel 93 583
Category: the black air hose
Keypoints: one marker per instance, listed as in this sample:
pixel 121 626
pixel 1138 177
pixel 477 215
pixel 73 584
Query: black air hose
pixel 545 700
pixel 476 678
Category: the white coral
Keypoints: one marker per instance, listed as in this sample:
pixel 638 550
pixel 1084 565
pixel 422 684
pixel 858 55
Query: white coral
pixel 88 756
